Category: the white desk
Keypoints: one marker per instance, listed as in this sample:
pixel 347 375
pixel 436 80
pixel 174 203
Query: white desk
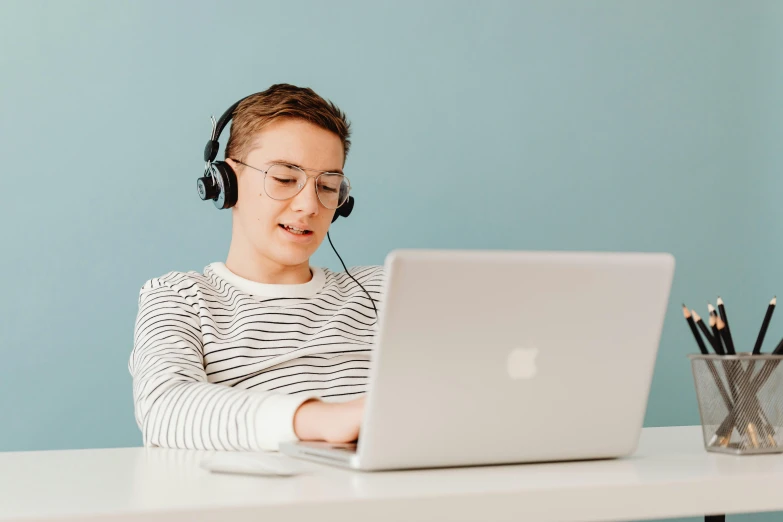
pixel 671 475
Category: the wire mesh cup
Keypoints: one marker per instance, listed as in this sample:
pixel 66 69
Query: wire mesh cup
pixel 740 402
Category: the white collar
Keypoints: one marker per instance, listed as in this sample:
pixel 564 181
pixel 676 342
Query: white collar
pixel 308 289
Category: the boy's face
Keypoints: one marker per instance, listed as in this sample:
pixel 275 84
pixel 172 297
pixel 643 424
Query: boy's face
pixel 259 219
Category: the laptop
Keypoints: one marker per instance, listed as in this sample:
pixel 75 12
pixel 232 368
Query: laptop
pixel 500 357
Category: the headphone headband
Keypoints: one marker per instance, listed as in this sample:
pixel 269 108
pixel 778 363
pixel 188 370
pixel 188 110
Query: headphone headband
pixel 213 145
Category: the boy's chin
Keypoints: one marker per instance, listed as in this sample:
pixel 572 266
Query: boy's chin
pixel 291 256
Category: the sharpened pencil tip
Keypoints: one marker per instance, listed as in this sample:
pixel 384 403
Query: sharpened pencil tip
pixel 685 312
pixel 710 308
pixel 774 300
pixel 720 301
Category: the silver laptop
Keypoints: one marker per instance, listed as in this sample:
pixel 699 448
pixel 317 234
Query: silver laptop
pixel 495 357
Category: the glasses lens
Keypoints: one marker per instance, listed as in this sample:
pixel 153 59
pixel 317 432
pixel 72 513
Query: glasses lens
pixel 333 189
pixel 283 181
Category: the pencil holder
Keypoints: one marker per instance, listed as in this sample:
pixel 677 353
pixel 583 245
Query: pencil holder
pixel 740 402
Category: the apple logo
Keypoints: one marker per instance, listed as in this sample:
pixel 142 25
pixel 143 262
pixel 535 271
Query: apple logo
pixel 522 363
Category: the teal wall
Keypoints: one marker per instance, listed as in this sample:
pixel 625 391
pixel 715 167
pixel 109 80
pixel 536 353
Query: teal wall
pixel 603 125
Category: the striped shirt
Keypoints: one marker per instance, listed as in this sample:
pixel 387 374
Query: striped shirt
pixel 221 362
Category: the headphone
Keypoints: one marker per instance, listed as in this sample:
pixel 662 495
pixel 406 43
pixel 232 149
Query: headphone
pixel 219 182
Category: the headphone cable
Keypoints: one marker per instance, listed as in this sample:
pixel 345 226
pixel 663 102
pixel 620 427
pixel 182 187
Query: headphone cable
pixel 372 301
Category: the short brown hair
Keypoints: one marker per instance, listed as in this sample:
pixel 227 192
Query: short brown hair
pixel 284 101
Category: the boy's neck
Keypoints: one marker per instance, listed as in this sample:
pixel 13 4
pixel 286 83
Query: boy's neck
pixel 249 264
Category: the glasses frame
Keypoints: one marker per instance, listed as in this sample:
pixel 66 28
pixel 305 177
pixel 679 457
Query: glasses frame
pixel 307 178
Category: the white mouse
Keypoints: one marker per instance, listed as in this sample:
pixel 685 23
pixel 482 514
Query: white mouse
pixel 251 463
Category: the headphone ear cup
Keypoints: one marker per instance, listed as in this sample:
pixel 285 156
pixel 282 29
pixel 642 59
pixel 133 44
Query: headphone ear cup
pixel 347 207
pixel 344 210
pixel 228 185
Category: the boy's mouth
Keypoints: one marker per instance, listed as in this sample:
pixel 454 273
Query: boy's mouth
pixel 294 230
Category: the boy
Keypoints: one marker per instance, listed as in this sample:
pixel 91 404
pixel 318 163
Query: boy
pixel 263 348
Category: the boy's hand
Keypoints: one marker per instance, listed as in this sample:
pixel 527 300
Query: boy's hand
pixel 334 422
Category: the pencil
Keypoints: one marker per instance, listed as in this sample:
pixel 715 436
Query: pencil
pixel 713 322
pixel 710 338
pixel 778 349
pixel 739 385
pixel 765 325
pixel 717 345
pixel 725 318
pixel 724 333
pixel 716 334
pixel 710 365
pixel 699 341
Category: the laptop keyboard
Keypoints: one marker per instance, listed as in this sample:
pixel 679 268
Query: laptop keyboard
pixel 348 448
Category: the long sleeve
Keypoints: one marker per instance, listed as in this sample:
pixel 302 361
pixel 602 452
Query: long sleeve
pixel 175 405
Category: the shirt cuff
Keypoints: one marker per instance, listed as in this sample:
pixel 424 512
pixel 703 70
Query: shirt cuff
pixel 275 420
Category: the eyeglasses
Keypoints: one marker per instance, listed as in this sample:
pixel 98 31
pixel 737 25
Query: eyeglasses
pixel 283 181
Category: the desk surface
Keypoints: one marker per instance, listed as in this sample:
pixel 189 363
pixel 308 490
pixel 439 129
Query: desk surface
pixel 670 475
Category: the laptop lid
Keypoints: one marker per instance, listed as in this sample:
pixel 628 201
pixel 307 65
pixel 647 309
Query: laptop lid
pixel 505 356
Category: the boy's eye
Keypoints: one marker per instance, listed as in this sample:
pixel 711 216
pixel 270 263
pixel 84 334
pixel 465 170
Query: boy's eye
pixel 285 181
pixel 328 189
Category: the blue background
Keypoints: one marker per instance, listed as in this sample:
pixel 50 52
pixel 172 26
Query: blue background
pixel 603 125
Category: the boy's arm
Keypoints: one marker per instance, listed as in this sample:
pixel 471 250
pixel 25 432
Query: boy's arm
pixel 175 405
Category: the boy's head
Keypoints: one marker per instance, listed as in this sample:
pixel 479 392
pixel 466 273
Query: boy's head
pixel 288 127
